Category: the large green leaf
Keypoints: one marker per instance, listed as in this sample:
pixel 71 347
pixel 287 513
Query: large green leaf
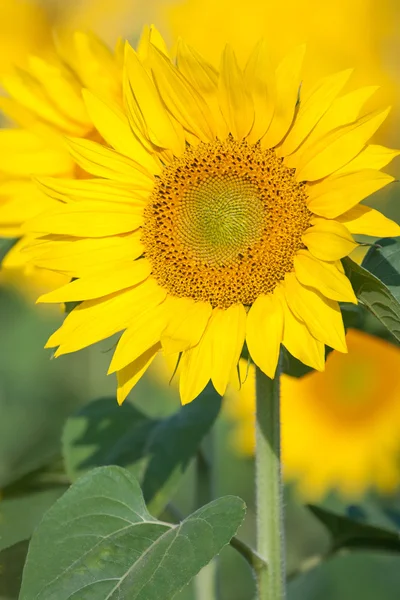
pixel 375 296
pixel 19 516
pixel 99 542
pixel 352 534
pixel 156 451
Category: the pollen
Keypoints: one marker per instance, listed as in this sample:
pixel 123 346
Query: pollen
pixel 224 223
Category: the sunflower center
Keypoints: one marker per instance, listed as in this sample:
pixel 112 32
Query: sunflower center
pixel 224 222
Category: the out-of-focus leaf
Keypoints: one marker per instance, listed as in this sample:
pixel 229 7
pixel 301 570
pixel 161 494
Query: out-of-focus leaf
pixel 5 246
pixel 19 516
pixel 378 511
pixel 156 451
pixel 99 542
pixel 36 394
pixel 375 296
pixel 352 534
pixel 12 561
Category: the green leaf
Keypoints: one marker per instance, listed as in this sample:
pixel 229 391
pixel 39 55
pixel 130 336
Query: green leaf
pixel 352 534
pixel 99 542
pixel 383 261
pixel 12 561
pixel 19 516
pixel 375 296
pixel 5 246
pixel 157 451
pixel 36 395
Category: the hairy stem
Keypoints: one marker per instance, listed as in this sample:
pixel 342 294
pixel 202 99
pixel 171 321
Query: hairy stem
pixel 269 495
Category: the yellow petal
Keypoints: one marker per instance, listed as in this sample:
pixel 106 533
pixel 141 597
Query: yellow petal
pixel 344 110
pixel 98 190
pixel 129 376
pixel 150 35
pixel 101 283
pixel 288 79
pixel 89 219
pixel 312 108
pixel 95 64
pixel 321 315
pixel 328 240
pixel 367 221
pixel 142 334
pixel 324 277
pixel 372 157
pixel 25 154
pixel 338 147
pixel 264 332
pixel 149 112
pixel 78 257
pixel 105 162
pixel 96 320
pixel 300 343
pixel 20 201
pixel 114 127
pixel 187 322
pixel 195 366
pixel 337 194
pixel 63 89
pixel 30 94
pixel 182 100
pixel 259 78
pixel 229 331
pixel 235 101
pixel 204 78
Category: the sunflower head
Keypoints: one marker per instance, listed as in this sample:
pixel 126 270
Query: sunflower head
pixel 220 206
pixel 340 428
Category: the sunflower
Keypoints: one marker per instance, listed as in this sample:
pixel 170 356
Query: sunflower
pixel 220 208
pixel 367 27
pixel 340 428
pixel 45 100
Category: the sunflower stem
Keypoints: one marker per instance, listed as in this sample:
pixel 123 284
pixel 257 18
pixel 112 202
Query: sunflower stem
pixel 269 493
pixel 206 581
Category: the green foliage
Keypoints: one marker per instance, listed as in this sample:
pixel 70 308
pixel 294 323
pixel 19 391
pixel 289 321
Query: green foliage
pixel 99 541
pixel 5 246
pixel 12 560
pixel 157 451
pixel 20 515
pixel 375 296
pixel 383 261
pixel 350 534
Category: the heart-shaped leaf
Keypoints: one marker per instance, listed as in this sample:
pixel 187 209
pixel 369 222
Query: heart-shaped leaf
pixel 99 542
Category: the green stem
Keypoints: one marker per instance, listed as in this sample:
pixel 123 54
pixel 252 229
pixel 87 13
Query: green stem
pixel 206 581
pixel 269 496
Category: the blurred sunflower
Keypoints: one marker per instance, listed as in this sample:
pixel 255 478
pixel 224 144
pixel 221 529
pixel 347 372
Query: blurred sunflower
pixel 359 33
pixel 340 428
pixel 44 82
pixel 221 209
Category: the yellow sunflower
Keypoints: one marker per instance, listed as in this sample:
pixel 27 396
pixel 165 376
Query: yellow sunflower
pixel 221 206
pixel 45 100
pixel 360 33
pixel 340 428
